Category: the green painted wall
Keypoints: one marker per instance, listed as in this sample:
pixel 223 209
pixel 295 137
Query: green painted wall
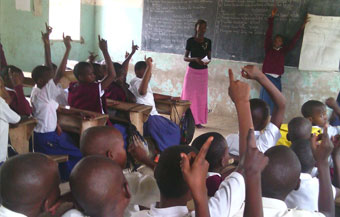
pixel 20 33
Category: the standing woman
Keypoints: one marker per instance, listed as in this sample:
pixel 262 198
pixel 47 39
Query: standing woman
pixel 195 87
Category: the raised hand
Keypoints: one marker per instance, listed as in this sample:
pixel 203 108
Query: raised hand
pixel 48 29
pixel 92 57
pixel 307 19
pixel 238 90
pixel 134 48
pixel 137 151
pixel 331 103
pixel 127 54
pixel 102 44
pixel 274 10
pixel 251 72
pixel 148 61
pixel 322 150
pixel 67 41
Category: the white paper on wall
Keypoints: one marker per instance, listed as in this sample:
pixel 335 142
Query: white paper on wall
pixel 321 44
pixel 23 5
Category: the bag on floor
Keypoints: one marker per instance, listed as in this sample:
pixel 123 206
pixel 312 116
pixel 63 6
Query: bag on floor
pixel 187 127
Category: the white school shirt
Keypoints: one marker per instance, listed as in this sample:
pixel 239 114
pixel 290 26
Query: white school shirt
pixel 278 208
pixel 62 97
pixel 307 196
pixel 45 106
pixel 7 116
pixel 147 99
pixel 4 212
pixel 226 202
pixel 264 139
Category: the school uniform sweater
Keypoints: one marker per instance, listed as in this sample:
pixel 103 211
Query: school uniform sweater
pixel 19 103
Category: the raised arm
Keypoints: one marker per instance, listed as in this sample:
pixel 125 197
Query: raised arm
pixel 62 67
pixel 268 44
pixel 111 73
pixel 3 61
pixel 239 94
pixel 321 153
pixel 128 58
pixel 254 164
pixel 296 37
pixel 254 73
pixel 143 88
pixel 336 160
pixel 47 46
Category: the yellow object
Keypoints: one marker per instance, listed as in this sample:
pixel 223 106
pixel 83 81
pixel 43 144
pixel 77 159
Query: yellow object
pixel 284 131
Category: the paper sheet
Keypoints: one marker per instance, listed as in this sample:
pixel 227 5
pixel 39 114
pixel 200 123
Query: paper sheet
pixel 321 44
pixel 23 5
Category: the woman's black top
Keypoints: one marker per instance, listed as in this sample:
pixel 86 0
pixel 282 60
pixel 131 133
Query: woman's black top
pixel 198 49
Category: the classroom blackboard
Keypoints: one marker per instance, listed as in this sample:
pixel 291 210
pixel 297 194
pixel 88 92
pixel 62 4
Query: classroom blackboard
pixel 236 27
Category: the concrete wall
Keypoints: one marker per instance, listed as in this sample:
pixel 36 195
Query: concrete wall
pixel 20 33
pixel 120 22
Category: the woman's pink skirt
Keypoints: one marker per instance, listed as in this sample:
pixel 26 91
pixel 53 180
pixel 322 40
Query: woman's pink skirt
pixel 195 89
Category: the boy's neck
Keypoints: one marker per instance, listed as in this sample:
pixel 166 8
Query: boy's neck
pixel 171 202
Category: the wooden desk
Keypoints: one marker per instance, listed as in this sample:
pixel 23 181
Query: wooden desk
pixel 78 120
pixel 59 158
pixel 169 107
pixel 21 134
pixel 137 114
pixel 65 81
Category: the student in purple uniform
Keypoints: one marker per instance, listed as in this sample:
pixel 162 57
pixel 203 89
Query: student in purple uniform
pixel 163 131
pixel 88 94
pixel 48 137
pixel 333 104
pixel 273 64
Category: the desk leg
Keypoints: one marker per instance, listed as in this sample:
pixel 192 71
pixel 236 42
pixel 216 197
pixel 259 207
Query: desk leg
pixel 136 119
pixel 180 110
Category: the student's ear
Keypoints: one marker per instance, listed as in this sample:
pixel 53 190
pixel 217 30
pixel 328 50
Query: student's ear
pixel 288 137
pixel 110 155
pixel 298 185
pixel 310 119
pixel 45 206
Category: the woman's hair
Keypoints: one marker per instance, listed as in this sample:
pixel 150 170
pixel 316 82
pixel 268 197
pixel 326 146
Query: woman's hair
pixel 199 22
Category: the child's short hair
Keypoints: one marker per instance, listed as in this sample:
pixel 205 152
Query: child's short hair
pixel 304 153
pixel 38 72
pixel 5 70
pixel 259 112
pixel 299 128
pixel 168 172
pixel 118 68
pixel 216 150
pixel 80 67
pixel 309 107
pixel 141 65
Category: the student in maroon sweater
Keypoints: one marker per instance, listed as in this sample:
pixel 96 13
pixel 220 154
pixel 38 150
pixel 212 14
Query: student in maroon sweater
pixel 273 64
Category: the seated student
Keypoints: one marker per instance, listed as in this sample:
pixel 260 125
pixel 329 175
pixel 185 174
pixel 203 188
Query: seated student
pixel 3 61
pixel 99 188
pixel 281 177
pixel 267 134
pixel 48 137
pixel 298 128
pixel 14 78
pixel 333 104
pixel 88 94
pixel 7 116
pixel 107 141
pixel 315 111
pixel 29 185
pixel 163 131
pixel 306 196
pixel 217 156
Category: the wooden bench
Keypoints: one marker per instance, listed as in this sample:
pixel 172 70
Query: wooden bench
pixel 137 114
pixel 169 107
pixel 59 158
pixel 20 135
pixel 65 81
pixel 78 120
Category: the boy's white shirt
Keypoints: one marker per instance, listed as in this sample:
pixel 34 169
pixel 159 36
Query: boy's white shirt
pixel 264 139
pixel 226 202
pixel 7 116
pixel 4 212
pixel 45 107
pixel 306 197
pixel 147 99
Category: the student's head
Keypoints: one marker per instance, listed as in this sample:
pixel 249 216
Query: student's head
pixel 99 187
pixel 218 155
pixel 5 74
pixel 119 72
pixel 97 71
pixel 278 41
pixel 299 128
pixel 105 141
pixel 29 183
pixel 169 176
pixel 83 71
pixel 303 151
pixel 260 113
pixel 282 173
pixel 315 111
pixel 140 68
pixel 41 75
pixel 200 27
